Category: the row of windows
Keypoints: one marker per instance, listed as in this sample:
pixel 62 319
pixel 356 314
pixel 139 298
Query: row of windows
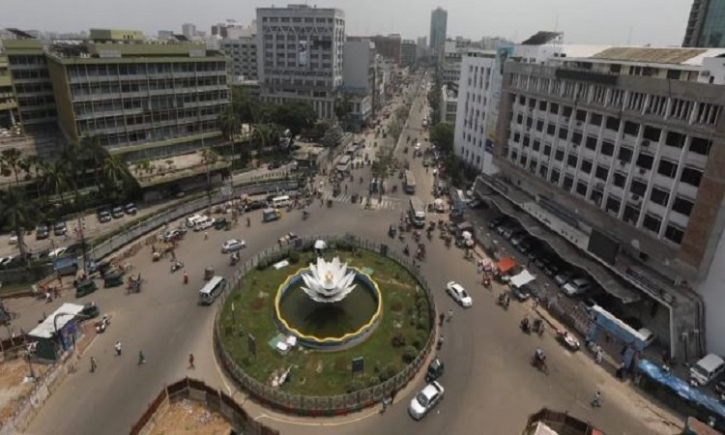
pixel 143 68
pixel 154 134
pixel 145 103
pixel 149 119
pixel 81 89
pixel 300 20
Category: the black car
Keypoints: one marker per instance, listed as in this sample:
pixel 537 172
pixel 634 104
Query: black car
pixel 551 268
pixel 42 232
pixel 130 208
pixel 104 215
pixel 497 222
pixel 117 212
pixel 254 205
pixel 60 228
pixel 274 165
pixel 393 230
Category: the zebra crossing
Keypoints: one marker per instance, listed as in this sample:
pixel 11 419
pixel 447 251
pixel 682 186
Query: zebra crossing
pixel 386 202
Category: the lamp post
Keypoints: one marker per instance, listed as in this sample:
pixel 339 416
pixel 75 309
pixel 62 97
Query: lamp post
pixel 29 352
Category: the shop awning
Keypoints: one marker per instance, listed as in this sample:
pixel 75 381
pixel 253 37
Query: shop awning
pixel 505 265
pixel 522 279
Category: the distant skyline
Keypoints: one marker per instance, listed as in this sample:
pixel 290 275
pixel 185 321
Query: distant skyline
pixel 656 22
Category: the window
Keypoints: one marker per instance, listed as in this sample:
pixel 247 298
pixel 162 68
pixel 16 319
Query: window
pixel 519 119
pixel 700 146
pixel 645 161
pixel 568 182
pixel 613 204
pixel 567 111
pixel 563 133
pixel 691 176
pixel 529 121
pixel 537 145
pixel 587 167
pixel 581 115
pixel 667 168
pixel 682 205
pixel 539 125
pixel 595 119
pixel 612 123
pixel 547 150
pixel 576 138
pixel 674 234
pixel 517 137
pixel 581 188
pixel 625 154
pixel 675 139
pixel 555 176
pixel 559 155
pixel 602 173
pixel 527 139
pixel 631 214
pixel 631 128
pixel 551 129
pixel 651 134
pixel 514 155
pixel 659 196
pixel 572 161
pixel 652 223
pixel 542 105
pixel 553 108
pixel 522 160
pixel 638 188
pixel 591 142
pixel 607 148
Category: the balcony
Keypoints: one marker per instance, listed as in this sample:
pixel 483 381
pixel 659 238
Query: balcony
pixel 671 153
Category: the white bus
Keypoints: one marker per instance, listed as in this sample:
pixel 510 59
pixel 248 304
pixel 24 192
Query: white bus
pixel 409 183
pixel 212 290
pixel 417 212
pixel 343 165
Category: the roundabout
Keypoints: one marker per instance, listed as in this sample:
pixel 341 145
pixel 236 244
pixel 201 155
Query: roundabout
pixel 351 327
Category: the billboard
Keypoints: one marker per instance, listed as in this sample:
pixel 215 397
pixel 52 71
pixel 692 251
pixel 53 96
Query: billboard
pixel 502 54
pixel 302 53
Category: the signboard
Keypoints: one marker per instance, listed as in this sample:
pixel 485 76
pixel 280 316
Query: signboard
pixel 302 51
pixel 502 54
pixel 252 345
pixel 358 365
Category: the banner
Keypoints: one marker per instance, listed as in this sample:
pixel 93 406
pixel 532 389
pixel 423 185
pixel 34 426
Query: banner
pixel 302 53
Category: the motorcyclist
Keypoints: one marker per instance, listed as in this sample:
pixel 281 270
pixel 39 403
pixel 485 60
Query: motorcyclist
pixel 525 323
pixel 235 258
pixel 406 250
pixel 539 356
pixel 117 347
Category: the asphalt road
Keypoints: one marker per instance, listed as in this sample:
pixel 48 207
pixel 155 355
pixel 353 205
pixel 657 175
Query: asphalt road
pixel 490 385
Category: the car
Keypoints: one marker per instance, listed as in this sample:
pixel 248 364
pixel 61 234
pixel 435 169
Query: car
pixel 57 253
pixel 274 165
pixel 522 293
pixel 117 212
pixel 130 209
pixel 518 237
pixel 562 278
pixel 425 400
pixel 60 228
pixel 175 234
pixel 417 146
pixel 42 232
pixel 233 245
pixel 5 260
pixel 509 232
pixel 551 268
pixel 393 230
pixel 497 222
pixel 459 294
pixel 103 215
pixel 13 240
pixel 525 247
pixel 576 286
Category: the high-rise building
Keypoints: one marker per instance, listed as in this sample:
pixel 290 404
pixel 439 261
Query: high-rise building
pixel 438 29
pixel 389 46
pixel 240 47
pixel 706 24
pixel 422 47
pixel 359 76
pixel 188 30
pixel 300 50
pixel 617 152
pixel 408 52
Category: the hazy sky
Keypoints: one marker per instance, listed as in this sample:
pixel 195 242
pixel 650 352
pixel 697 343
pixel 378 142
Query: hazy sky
pixel 658 22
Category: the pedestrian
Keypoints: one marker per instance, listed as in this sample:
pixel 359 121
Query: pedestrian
pixel 186 278
pixel 117 347
pixel 384 402
pixel 599 354
pixel 141 358
pixel 93 364
pixel 597 400
pixel 56 292
pixel 441 318
pixel 450 315
pixel 191 361
pixel 206 235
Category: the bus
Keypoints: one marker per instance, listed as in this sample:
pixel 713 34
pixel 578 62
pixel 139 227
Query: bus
pixel 212 290
pixel 417 212
pixel 343 165
pixel 409 183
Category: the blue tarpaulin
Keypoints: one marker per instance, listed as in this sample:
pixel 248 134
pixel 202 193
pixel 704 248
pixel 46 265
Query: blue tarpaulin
pixel 681 388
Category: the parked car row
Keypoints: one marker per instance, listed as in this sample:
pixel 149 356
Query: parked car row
pixel 108 213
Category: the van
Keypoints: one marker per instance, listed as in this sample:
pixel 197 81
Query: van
pixel 191 221
pixel 280 201
pixel 707 369
pixel 212 290
pixel 203 223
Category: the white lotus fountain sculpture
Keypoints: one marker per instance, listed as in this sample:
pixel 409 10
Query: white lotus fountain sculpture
pixel 328 282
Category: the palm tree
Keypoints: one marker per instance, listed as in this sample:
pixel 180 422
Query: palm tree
pixel 93 156
pixel 230 124
pixel 37 166
pixel 19 214
pixel 116 175
pixel 71 156
pixel 57 178
pixel 12 163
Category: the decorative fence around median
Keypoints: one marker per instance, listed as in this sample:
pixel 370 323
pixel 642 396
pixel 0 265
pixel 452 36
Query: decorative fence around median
pixel 324 405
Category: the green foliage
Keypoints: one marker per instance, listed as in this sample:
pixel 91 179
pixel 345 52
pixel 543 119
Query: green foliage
pixel 421 337
pixel 332 136
pixel 294 257
pixel 295 116
pixel 262 264
pixel 409 354
pixel 398 340
pixel 442 136
pixel 388 372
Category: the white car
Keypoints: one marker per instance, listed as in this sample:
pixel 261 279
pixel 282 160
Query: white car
pixel 57 252
pixel 459 294
pixel 426 400
pixel 233 245
pixel 417 146
pixel 13 238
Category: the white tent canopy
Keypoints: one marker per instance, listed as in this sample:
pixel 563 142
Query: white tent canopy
pixel 57 319
pixel 522 279
pixel 320 245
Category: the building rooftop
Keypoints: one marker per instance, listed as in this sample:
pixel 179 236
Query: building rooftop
pixel 659 55
pixel 56 321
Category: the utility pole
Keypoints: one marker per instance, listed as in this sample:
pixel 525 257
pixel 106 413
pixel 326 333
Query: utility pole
pixel 84 246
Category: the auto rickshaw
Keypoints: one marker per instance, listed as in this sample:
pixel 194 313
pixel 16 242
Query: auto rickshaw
pixel 208 273
pixel 134 284
pixel 435 370
pixel 90 310
pixel 85 287
pixel 392 231
pixel 113 278
pixel 220 224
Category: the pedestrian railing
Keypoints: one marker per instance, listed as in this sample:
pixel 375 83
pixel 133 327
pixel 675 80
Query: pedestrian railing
pixel 323 405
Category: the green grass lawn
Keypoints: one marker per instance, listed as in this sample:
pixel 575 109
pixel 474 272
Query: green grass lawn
pixel 327 373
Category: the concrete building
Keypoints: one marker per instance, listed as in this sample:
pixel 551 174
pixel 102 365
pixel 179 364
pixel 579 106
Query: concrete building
pixel 476 108
pixel 706 24
pixel 449 103
pixel 408 53
pixel 9 115
pixel 300 51
pixel 617 152
pixel 390 47
pixel 438 29
pixel 359 76
pixel 136 98
pixel 450 67
pixel 164 35
pixel 241 52
pixel 422 50
pixel 189 30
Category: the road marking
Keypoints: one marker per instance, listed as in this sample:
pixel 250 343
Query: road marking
pixel 303 422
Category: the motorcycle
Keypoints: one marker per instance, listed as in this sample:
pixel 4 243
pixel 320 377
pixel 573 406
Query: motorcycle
pixel 406 251
pixel 439 344
pixel 305 215
pixel 176 265
pixel 540 363
pixel 503 301
pixel 102 324
pixel 525 326
pixel 538 327
pixel 487 281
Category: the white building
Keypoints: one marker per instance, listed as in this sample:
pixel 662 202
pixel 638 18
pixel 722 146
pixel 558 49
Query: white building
pixel 359 76
pixel 300 51
pixel 188 30
pixel 449 103
pixel 475 101
pixel 241 49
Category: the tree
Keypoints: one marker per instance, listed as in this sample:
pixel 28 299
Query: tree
pixel 35 166
pixel 19 214
pixel 56 179
pixel 230 125
pixel 116 176
pixel 12 163
pixel 343 109
pixel 92 157
pixel 332 137
pixel 442 136
pixel 295 116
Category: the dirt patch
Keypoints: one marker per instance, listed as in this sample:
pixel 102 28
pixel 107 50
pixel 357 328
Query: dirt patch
pixel 12 388
pixel 187 417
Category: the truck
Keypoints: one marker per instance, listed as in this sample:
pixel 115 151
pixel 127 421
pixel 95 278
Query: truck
pixel 417 212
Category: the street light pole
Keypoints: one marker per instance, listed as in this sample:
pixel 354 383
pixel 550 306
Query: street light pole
pixel 84 247
pixel 29 351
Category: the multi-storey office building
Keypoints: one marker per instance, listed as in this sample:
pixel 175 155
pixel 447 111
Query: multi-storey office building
pixel 300 50
pixel 390 47
pixel 449 103
pixel 8 105
pixel 242 58
pixel 438 29
pixel 139 99
pixel 706 24
pixel 359 77
pixel 408 52
pixel 619 154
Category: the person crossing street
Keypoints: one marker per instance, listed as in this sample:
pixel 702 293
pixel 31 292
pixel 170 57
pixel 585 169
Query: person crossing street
pixel 191 361
pixel 141 358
